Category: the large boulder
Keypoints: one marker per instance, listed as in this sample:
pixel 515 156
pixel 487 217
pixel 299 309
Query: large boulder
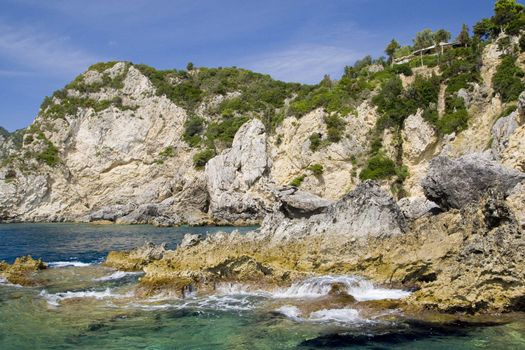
pixel 416 207
pixel 455 183
pixel 296 203
pixel 367 211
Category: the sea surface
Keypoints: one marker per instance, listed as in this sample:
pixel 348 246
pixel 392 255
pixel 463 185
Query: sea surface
pixel 84 305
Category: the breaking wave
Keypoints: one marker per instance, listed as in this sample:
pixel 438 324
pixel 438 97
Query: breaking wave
pixel 116 276
pixel 59 264
pixel 360 288
pixel 54 299
pixel 345 315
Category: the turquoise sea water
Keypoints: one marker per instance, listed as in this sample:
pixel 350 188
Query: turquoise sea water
pixel 86 306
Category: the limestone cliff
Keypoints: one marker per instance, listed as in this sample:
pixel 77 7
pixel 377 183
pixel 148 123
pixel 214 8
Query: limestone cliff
pixel 128 144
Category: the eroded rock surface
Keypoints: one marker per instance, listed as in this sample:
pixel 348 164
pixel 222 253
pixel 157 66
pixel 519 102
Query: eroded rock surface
pixel 21 272
pixel 233 177
pixel 296 203
pixel 454 183
pixel 135 259
pixel 464 260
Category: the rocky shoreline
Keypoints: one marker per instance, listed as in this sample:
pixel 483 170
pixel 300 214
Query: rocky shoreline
pixel 467 257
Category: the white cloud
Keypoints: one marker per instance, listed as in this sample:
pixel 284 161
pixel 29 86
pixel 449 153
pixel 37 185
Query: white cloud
pixel 306 63
pixel 42 52
pixel 14 73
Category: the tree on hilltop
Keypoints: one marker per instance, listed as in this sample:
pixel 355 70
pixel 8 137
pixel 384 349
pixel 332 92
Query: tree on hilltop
pixel 391 49
pixel 424 39
pixel 464 36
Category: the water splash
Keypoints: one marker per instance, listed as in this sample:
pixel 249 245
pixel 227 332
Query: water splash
pixel 116 276
pixel 54 299
pixel 344 315
pixel 360 288
pixel 60 264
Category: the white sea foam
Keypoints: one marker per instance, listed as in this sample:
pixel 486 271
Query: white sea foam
pixel 290 311
pixel 55 298
pixel 153 307
pixel 345 315
pixel 360 288
pixel 336 315
pixel 221 302
pixel 116 276
pixel 59 264
pixel 239 289
pixel 5 282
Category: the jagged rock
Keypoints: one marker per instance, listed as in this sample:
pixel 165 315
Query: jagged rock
pixel 454 183
pixel 514 154
pixel 232 176
pixel 190 240
pixel 465 95
pixel 142 215
pixel 516 201
pixel 135 259
pixel 242 268
pixel 521 105
pixel 416 207
pixel 367 211
pixel 296 203
pixel 418 137
pixel 111 213
pixel 502 131
pixel 21 272
pixel 375 68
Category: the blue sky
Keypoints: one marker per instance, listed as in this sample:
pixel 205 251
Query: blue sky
pixel 45 44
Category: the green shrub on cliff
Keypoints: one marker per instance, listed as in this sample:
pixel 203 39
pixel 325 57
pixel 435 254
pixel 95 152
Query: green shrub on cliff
pixel 224 131
pixel 167 152
pixel 49 155
pixel 315 141
pixel 335 126
pixel 508 79
pixel 378 167
pixel 453 122
pixel 193 128
pixel 296 182
pixel 316 169
pixel 201 158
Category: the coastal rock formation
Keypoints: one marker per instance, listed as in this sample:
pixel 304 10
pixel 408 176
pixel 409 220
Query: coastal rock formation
pixel 418 137
pixel 296 203
pixel 135 259
pixel 464 260
pixel 233 177
pixel 21 272
pixel 454 183
pixel 367 211
pixel 416 207
pixel 125 143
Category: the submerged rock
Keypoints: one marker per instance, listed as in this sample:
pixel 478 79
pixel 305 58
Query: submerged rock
pixel 455 183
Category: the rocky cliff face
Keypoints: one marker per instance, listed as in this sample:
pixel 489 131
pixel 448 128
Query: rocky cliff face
pixel 124 143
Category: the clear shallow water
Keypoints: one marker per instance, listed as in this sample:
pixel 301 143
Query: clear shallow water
pixel 93 307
